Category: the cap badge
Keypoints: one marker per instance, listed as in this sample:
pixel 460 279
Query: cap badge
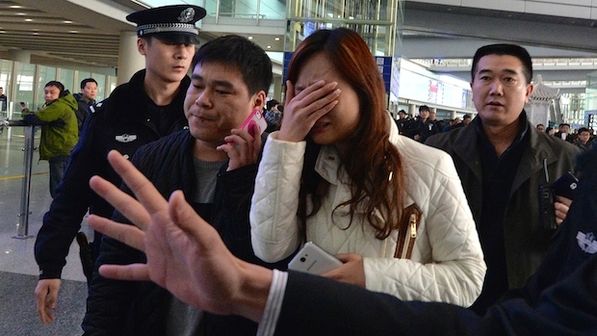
pixel 186 15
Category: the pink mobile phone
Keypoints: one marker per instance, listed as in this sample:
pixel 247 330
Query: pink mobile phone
pixel 255 117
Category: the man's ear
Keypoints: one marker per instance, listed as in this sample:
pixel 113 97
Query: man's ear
pixel 530 89
pixel 259 99
pixel 141 46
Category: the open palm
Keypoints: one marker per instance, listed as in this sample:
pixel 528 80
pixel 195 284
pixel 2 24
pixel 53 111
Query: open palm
pixel 184 253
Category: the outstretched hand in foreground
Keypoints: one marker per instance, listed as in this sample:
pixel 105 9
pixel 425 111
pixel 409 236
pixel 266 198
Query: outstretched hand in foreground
pixel 185 254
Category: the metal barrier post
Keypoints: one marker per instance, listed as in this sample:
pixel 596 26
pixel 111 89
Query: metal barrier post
pixel 23 215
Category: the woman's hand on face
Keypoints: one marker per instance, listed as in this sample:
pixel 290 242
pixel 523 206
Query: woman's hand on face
pixel 301 111
pixel 352 271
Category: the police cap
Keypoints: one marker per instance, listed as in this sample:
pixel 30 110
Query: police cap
pixel 174 23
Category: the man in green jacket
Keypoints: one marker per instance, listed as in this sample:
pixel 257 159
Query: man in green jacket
pixel 59 132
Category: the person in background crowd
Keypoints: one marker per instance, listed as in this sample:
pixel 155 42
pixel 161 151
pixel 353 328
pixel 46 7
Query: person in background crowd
pixel 143 110
pixel 466 119
pixel 502 162
pixel 339 174
pixel 564 132
pixel 455 123
pixel 403 122
pixel 3 100
pixel 215 164
pixel 58 130
pixel 540 128
pixel 273 116
pixel 550 131
pixel 583 138
pixel 85 100
pixel 562 298
pixel 424 126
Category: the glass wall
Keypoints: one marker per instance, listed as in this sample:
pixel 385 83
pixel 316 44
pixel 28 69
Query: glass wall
pixel 375 21
pixel 572 107
pixel 247 9
pixel 5 72
pixel 25 73
pixel 591 92
pixel 44 75
pixel 67 78
pixel 30 79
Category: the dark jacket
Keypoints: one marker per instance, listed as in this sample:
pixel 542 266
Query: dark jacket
pixel 83 109
pixel 525 238
pixel 318 306
pixel 124 122
pixel 141 308
pixel 576 238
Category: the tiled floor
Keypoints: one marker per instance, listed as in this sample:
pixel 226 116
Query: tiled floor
pixel 18 269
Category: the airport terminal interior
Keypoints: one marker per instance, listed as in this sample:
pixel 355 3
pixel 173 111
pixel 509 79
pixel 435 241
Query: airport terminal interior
pixel 423 49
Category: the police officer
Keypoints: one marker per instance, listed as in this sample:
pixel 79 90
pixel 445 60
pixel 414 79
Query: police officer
pixel 145 109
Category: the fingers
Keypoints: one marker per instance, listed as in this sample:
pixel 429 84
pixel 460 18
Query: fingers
pixel 46 297
pixel 346 257
pixel 560 212
pixel 306 107
pixel 317 100
pixel 561 207
pixel 242 147
pixel 563 200
pixel 132 272
pixel 139 184
pixel 185 218
pixel 127 234
pixel 335 274
pixel 121 201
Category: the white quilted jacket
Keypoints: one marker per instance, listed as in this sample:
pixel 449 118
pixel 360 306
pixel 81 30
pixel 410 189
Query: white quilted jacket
pixel 446 262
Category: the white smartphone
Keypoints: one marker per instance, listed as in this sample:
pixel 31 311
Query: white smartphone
pixel 257 117
pixel 313 259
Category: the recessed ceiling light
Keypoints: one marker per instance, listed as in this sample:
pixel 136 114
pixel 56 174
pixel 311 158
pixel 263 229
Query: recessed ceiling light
pixel 2 31
pixel 15 6
pixel 73 31
pixel 250 37
pixel 21 14
pixel 67 21
pixel 269 47
pixel 277 39
pixel 28 20
pixel 35 33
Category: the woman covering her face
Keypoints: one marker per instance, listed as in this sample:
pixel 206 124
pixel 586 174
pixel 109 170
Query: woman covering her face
pixel 338 173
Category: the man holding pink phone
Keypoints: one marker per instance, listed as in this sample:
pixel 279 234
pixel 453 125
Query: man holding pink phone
pixel 214 163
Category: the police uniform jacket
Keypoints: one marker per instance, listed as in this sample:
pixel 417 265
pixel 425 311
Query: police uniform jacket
pixel 124 121
pixel 525 238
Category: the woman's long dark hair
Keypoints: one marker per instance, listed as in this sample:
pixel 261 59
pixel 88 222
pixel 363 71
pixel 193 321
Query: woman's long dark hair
pixel 373 163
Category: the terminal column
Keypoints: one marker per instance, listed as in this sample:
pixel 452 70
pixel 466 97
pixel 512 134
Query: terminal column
pixel 129 59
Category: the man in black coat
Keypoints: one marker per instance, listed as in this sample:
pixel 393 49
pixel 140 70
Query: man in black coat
pixel 85 100
pixel 145 109
pixel 214 163
pixel 502 163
